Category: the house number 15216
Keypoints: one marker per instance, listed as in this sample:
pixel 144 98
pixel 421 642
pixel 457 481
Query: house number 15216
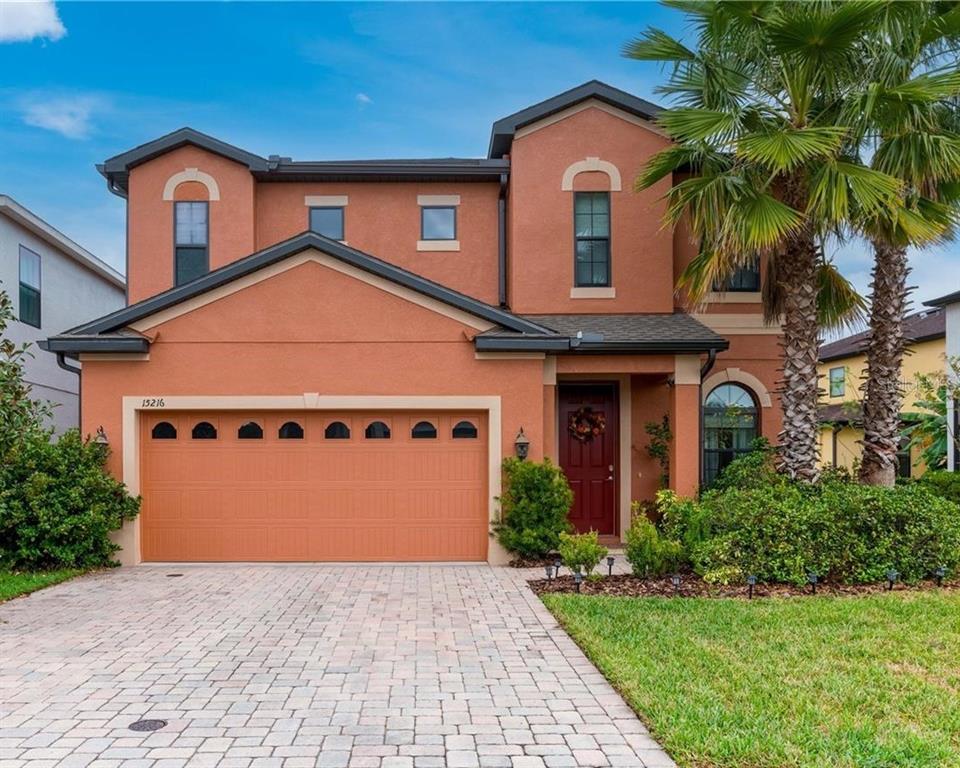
pixel 152 402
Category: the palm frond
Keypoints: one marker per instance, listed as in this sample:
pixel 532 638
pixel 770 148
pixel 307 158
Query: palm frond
pixel 921 159
pixel 785 149
pixel 657 45
pixel 838 303
pixel 757 222
pixel 691 124
pixel 667 162
pixel 822 33
pixel 841 190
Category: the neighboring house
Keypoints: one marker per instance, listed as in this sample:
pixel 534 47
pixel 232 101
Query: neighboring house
pixel 54 284
pixel 842 369
pixel 950 305
pixel 328 360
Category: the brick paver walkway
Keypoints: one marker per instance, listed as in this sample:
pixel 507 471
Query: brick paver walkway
pixel 330 666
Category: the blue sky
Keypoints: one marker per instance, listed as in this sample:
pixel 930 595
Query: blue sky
pixel 80 82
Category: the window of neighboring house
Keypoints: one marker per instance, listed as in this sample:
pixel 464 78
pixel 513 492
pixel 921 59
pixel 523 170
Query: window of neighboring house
pixel 438 222
pixel 591 212
pixel 327 221
pixel 746 279
pixel 191 241
pixel 838 381
pixel 29 287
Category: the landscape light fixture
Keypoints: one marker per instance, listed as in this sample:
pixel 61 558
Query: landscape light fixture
pixel 812 578
pixel 610 566
pixel 891 578
pixel 675 580
pixel 940 573
pixel 577 580
pixel 549 571
pixel 751 583
pixel 556 565
pixel 521 445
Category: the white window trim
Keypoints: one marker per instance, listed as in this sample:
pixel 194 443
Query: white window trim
pixel 438 245
pixel 326 201
pixel 192 174
pixel 439 200
pixel 588 165
pixel 587 292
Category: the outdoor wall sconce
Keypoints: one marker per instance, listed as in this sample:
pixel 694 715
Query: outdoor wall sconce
pixel 101 437
pixel 521 445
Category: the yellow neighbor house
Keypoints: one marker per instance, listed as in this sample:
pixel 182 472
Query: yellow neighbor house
pixel 841 372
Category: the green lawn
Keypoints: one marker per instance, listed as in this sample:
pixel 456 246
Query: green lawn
pixel 866 682
pixel 15 583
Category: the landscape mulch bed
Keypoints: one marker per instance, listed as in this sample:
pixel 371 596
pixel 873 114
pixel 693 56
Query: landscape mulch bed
pixel 692 586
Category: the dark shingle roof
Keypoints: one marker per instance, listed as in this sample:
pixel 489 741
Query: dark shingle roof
pixel 920 326
pixel 641 333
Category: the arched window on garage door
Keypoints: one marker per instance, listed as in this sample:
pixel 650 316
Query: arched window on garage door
pixel 336 430
pixel 290 430
pixel 377 430
pixel 163 430
pixel 731 422
pixel 423 430
pixel 204 431
pixel 465 430
pixel 250 431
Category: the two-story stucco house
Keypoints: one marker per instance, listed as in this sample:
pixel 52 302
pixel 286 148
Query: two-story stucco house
pixel 54 284
pixel 328 360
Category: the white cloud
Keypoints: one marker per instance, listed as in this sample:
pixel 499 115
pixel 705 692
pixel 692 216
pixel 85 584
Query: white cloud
pixel 70 116
pixel 24 20
pixel 363 99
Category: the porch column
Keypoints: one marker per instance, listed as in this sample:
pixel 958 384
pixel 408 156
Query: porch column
pixel 685 424
pixel 550 409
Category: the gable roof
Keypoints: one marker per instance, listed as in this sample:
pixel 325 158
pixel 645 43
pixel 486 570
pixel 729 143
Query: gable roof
pixel 107 327
pixel 920 326
pixel 55 238
pixel 501 136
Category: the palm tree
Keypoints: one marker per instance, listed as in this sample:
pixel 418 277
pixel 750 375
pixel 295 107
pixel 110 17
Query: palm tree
pixel 759 120
pixel 909 120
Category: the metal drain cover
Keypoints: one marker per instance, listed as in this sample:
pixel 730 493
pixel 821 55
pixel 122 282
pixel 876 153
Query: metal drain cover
pixel 147 725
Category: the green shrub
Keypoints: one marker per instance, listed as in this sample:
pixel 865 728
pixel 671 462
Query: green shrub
pixel 534 506
pixel 581 552
pixel 58 504
pixel 649 553
pixel 846 532
pixel 942 483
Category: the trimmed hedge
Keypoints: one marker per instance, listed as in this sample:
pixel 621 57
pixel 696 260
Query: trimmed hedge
pixel 758 522
pixel 943 483
pixel 533 508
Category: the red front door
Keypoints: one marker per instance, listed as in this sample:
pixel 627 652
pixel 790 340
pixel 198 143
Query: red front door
pixel 591 465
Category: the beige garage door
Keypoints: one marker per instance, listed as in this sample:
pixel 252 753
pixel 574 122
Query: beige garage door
pixel 373 486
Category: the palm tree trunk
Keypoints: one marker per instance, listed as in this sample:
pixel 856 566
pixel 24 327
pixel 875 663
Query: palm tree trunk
pixel 798 452
pixel 882 393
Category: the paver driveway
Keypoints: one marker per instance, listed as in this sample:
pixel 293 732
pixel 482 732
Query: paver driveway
pixel 380 666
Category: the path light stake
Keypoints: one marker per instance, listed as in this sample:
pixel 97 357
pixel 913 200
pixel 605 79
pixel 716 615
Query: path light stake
pixel 940 573
pixel 556 566
pixel 891 577
pixel 751 583
pixel 812 578
pixel 549 571
pixel 609 566
pixel 577 579
pixel 675 580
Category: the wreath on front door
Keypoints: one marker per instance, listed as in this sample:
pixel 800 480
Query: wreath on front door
pixel 586 424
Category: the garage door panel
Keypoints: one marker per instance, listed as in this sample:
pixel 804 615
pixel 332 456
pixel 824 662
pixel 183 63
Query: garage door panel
pixel 315 498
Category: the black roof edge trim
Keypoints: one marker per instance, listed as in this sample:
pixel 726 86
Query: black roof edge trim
pixel 563 344
pixel 178 138
pixel 501 134
pixel 93 344
pixel 942 301
pixel 294 245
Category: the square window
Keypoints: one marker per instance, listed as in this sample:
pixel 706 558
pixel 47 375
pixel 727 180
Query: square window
pixel 837 382
pixel 29 287
pixel 327 222
pixel 438 223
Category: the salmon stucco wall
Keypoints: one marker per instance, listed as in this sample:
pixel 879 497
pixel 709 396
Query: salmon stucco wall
pixel 541 254
pixel 150 256
pixel 383 219
pixel 298 332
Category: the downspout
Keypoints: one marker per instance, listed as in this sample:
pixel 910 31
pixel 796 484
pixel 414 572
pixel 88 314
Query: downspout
pixel 502 242
pixel 704 370
pixel 62 362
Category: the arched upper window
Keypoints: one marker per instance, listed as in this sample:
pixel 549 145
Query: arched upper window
pixel 730 425
pixel 291 431
pixel 377 430
pixel 337 430
pixel 423 430
pixel 163 430
pixel 204 431
pixel 250 431
pixel 464 430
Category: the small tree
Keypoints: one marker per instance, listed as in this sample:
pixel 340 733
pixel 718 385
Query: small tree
pixel 928 427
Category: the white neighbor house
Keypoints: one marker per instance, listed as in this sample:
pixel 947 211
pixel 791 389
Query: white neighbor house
pixel 54 284
pixel 951 303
